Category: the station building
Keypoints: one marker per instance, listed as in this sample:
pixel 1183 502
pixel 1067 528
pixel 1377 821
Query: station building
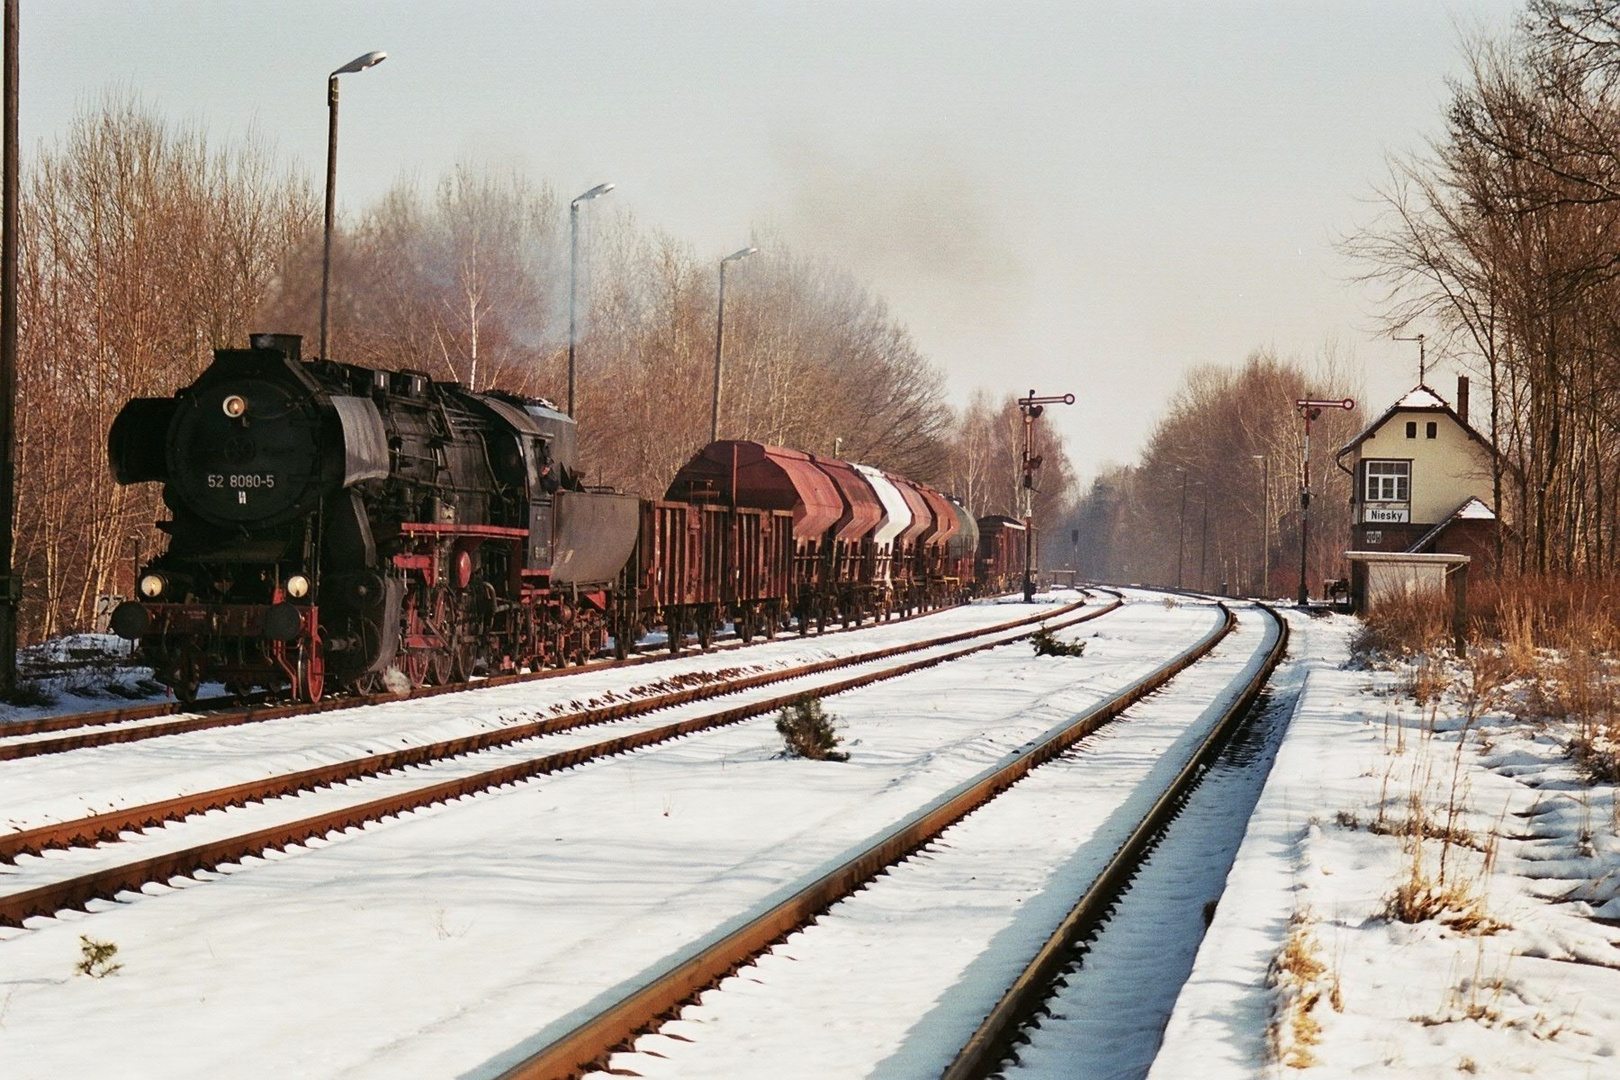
pixel 1422 482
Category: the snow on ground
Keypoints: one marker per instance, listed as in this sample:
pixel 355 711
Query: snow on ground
pixel 92 780
pixel 1303 970
pixel 952 927
pixel 56 865
pixel 1108 1016
pixel 447 941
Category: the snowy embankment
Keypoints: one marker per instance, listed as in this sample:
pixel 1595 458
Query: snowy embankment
pixel 1475 826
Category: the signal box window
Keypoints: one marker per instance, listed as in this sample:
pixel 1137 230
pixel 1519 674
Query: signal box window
pixel 1389 481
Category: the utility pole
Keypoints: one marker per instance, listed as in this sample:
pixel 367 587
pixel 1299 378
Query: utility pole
pixel 1181 530
pixel 10 587
pixel 1310 409
pixel 1265 523
pixel 1032 407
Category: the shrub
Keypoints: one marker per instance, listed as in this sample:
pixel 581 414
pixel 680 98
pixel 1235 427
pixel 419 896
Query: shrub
pixel 96 958
pixel 29 692
pixel 1047 644
pixel 808 732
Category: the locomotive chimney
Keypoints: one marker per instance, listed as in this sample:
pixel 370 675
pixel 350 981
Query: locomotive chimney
pixel 1462 397
pixel 288 345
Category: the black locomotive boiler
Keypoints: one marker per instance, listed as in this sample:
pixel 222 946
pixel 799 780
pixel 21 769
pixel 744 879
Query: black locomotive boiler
pixel 330 523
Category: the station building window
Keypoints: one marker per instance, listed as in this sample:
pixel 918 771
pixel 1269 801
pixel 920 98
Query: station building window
pixel 1388 481
pixel 1431 430
pixel 1411 429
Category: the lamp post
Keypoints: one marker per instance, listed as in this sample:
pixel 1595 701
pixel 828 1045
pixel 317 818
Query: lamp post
pixel 1181 529
pixel 1265 522
pixel 1203 548
pixel 359 63
pixel 720 339
pixel 573 279
pixel 10 587
pixel 1032 407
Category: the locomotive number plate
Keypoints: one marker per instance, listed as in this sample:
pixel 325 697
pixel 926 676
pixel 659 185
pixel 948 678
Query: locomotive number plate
pixel 242 481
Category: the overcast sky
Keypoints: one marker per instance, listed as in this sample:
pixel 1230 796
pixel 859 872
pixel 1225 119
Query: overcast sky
pixel 1069 196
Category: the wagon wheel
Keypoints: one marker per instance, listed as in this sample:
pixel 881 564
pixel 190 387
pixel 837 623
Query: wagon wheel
pixel 676 631
pixel 311 672
pixel 185 677
pixel 441 623
pixel 464 653
pixel 772 620
pixel 705 627
pixel 413 662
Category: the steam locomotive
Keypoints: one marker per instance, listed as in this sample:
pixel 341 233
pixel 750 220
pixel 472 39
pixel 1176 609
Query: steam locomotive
pixel 331 524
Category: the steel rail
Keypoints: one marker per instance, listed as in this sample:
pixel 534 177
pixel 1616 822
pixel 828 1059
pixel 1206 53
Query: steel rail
pixel 684 977
pixel 81 832
pixel 107 883
pixel 229 712
pixel 992 1043
pixel 225 702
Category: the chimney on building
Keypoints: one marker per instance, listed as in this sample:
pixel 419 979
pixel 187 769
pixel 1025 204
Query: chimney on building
pixel 1462 397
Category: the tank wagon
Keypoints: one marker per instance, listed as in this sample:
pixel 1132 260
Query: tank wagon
pixel 332 525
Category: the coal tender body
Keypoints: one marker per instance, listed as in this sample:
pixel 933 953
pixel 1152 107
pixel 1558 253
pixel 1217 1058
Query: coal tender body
pixel 337 525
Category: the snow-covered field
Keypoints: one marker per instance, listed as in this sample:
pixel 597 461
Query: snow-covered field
pixel 94 780
pixel 441 943
pixel 952 927
pixel 452 940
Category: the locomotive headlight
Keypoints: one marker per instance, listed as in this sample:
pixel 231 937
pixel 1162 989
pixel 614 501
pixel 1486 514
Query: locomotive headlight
pixel 298 586
pixel 152 586
pixel 234 406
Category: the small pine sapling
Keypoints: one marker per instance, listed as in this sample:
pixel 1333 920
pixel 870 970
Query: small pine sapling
pixel 96 958
pixel 808 732
pixel 1047 644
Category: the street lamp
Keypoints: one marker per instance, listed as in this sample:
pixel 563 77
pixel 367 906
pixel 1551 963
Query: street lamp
pixel 573 279
pixel 720 339
pixel 1265 523
pixel 1181 529
pixel 359 63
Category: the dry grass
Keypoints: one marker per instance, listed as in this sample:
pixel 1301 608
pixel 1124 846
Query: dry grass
pixel 1408 626
pixel 1300 981
pixel 1524 614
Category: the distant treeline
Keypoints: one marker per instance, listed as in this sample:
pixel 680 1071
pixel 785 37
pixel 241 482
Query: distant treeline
pixel 1214 502
pixel 145 246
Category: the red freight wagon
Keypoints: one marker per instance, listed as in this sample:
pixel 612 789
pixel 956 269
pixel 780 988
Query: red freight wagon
pixel 1001 553
pixel 701 565
pixel 850 565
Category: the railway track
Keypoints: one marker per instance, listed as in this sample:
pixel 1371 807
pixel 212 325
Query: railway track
pixel 661 993
pixel 102 728
pixel 106 882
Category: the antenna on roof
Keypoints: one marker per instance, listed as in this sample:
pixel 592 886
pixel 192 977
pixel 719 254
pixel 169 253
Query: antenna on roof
pixel 1422 359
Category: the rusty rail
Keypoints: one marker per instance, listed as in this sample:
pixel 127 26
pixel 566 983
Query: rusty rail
pixel 594 1040
pixel 229 711
pixel 106 884
pixel 80 832
pixel 992 1043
